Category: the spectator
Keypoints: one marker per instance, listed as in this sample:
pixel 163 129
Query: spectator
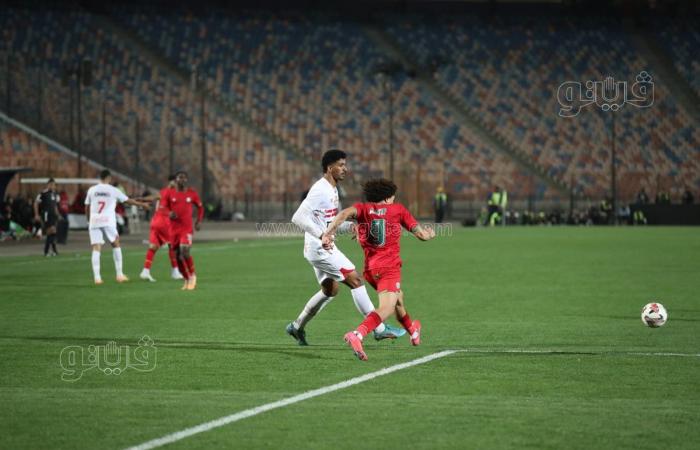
pixel 606 211
pixel 663 198
pixel 63 210
pixel 642 197
pixel 497 205
pixel 688 198
pixel 440 204
pixel 624 214
pixel 638 217
pixel 78 206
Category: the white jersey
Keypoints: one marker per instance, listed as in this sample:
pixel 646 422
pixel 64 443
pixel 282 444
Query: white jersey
pixel 318 209
pixel 102 199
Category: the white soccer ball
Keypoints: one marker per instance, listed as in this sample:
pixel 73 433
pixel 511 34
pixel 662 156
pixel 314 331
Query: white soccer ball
pixel 654 315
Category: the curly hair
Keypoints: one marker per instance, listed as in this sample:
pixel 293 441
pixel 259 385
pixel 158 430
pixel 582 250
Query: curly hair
pixel 330 157
pixel 378 189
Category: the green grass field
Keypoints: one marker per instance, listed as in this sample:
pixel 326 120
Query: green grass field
pixel 576 292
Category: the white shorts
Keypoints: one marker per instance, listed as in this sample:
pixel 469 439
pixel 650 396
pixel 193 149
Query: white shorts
pixel 336 266
pixel 97 235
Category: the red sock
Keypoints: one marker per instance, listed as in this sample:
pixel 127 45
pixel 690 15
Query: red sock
pixel 149 258
pixel 190 265
pixel 368 325
pixel 182 266
pixel 173 257
pixel 406 322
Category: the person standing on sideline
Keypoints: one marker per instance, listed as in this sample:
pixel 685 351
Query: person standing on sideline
pixel 497 205
pixel 440 204
pixel 46 212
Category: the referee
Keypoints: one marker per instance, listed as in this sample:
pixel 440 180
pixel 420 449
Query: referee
pixel 46 211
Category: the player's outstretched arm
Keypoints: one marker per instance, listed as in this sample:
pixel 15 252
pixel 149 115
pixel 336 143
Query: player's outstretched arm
pixel 424 234
pixel 200 213
pixel 148 198
pixel 328 235
pixel 140 204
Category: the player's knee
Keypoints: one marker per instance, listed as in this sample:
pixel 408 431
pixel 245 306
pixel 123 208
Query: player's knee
pixel 353 280
pixel 330 287
pixel 153 246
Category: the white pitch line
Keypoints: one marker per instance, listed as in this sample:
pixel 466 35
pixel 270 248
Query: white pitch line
pixel 572 352
pixel 177 436
pixel 220 422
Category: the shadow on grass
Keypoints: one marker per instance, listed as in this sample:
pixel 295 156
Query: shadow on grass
pixel 288 350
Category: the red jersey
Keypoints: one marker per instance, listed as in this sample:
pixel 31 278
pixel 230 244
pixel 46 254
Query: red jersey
pixel 181 203
pixel 379 232
pixel 161 214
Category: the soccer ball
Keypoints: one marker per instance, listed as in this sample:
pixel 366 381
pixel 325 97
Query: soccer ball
pixel 654 315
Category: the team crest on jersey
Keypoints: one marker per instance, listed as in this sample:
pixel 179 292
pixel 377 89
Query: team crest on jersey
pixel 189 200
pixel 378 212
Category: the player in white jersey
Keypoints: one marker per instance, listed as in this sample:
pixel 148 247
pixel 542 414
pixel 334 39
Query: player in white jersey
pixel 318 209
pixel 101 202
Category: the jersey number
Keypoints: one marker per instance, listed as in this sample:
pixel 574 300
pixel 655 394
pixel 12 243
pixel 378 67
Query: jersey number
pixel 101 207
pixel 377 232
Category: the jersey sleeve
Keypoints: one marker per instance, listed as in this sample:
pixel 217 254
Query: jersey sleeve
pixel 87 196
pixel 200 207
pixel 165 200
pixel 361 211
pixel 407 220
pixel 305 214
pixel 121 197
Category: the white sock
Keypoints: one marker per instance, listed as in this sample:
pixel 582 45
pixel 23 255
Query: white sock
pixel 312 307
pixel 96 264
pixel 364 304
pixel 117 255
pixel 146 271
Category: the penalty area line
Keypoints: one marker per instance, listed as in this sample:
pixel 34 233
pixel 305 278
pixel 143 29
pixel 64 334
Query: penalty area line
pixel 222 421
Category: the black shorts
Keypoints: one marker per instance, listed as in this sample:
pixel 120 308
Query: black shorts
pixel 50 220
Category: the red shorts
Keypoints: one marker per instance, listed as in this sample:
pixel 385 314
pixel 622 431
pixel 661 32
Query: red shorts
pixel 160 233
pixel 180 237
pixel 384 278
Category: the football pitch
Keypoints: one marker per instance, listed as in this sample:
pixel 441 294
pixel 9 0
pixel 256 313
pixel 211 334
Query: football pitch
pixel 549 348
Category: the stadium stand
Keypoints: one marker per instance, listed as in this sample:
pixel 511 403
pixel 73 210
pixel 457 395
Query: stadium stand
pixel 508 70
pixel 315 82
pixel 681 39
pixel 132 88
pixel 312 79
